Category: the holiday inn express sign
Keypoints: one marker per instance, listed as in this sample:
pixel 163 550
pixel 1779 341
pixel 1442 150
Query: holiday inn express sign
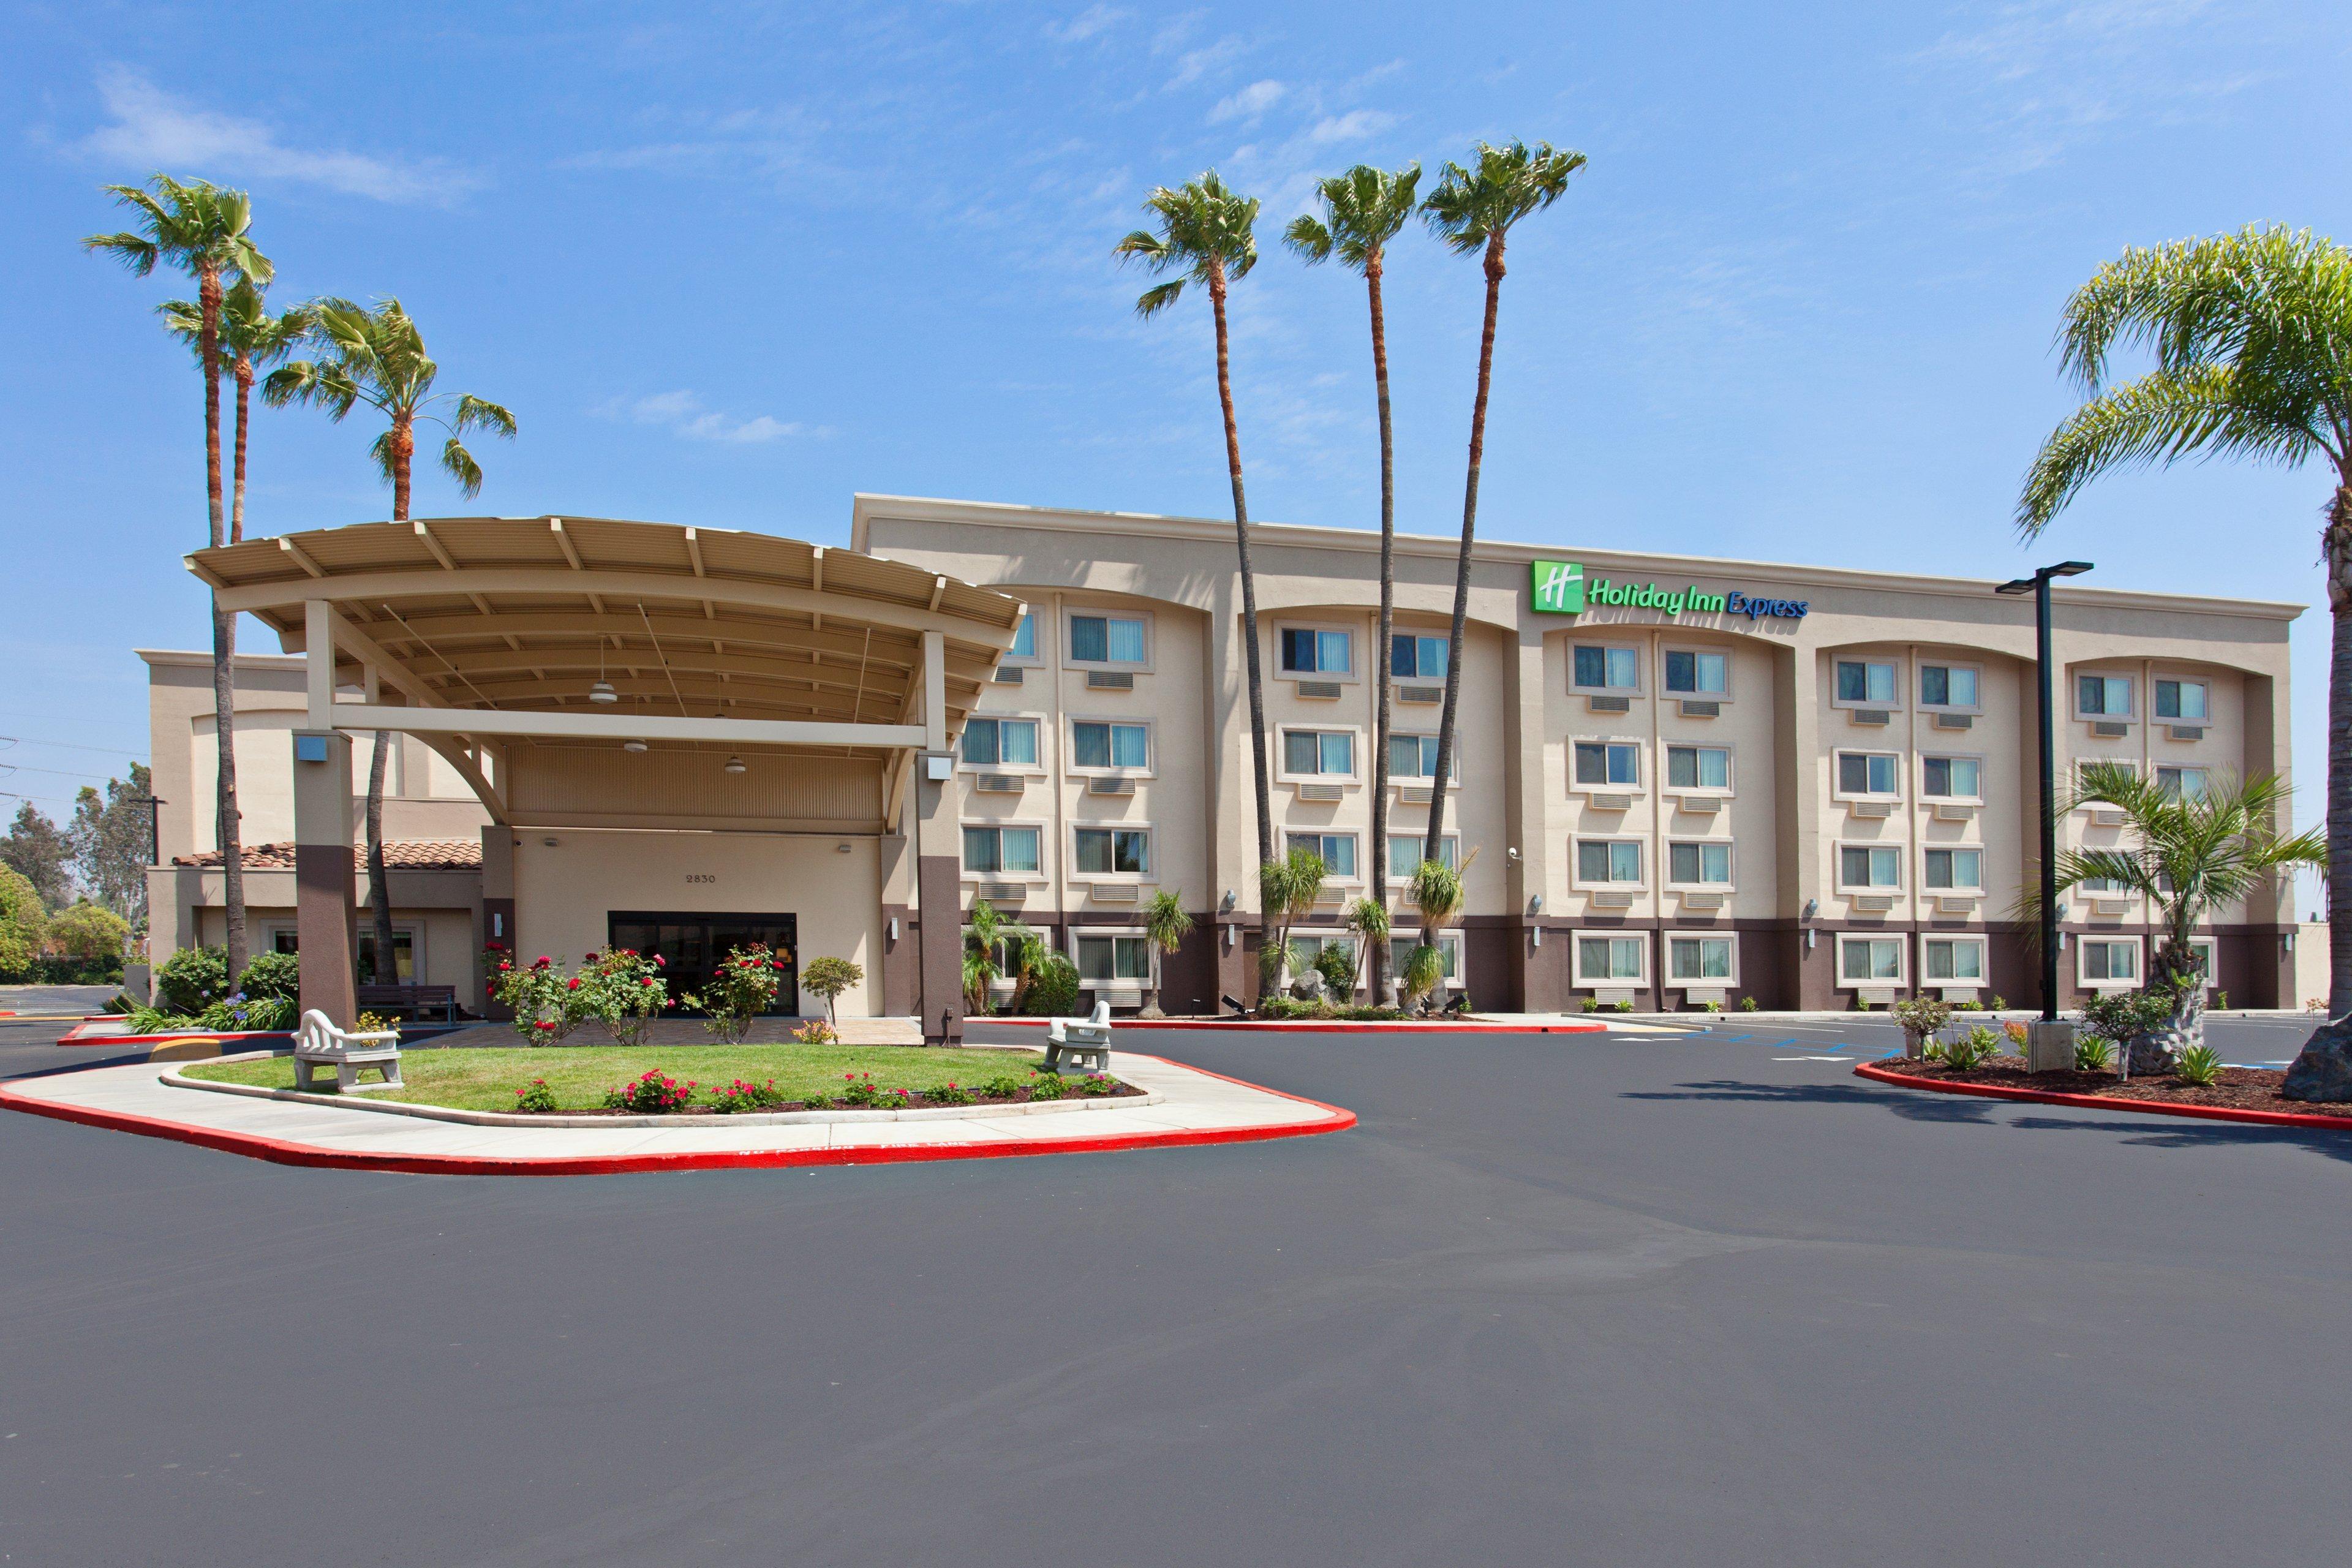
pixel 1562 589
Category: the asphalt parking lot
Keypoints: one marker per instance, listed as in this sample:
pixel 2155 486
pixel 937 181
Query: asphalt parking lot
pixel 1664 1298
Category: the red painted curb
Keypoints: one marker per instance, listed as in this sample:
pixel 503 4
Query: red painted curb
pixel 1322 1027
pixel 281 1152
pixel 2100 1102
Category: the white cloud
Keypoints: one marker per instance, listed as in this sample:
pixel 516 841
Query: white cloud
pixel 1094 19
pixel 1248 104
pixel 148 129
pixel 684 412
pixel 1194 64
pixel 1353 126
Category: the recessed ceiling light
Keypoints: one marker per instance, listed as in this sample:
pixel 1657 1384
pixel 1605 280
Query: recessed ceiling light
pixel 632 745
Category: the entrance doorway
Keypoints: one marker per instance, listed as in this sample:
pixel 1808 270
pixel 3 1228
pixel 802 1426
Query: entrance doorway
pixel 690 946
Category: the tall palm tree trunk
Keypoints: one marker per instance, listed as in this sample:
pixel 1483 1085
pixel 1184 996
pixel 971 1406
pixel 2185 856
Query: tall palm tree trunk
pixel 387 965
pixel 1379 958
pixel 2338 541
pixel 1462 566
pixel 208 300
pixel 236 473
pixel 1249 603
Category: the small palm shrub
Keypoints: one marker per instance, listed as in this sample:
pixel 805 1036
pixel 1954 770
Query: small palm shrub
pixel 2199 1066
pixel 2093 1053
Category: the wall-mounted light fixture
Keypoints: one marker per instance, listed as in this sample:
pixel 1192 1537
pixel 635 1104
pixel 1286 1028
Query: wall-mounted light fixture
pixel 1812 908
pixel 2290 941
pixel 1225 904
pixel 1535 904
pixel 893 925
pixel 841 849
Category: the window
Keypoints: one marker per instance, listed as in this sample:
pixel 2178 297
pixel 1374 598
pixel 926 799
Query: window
pixel 2103 696
pixel 2083 767
pixel 1106 745
pixel 1415 658
pixel 1611 960
pixel 1113 959
pixel 1947 686
pixel 1704 864
pixel 1306 949
pixel 1956 869
pixel 2109 960
pixel 1404 853
pixel 1864 682
pixel 1306 651
pixel 1608 762
pixel 403 955
pixel 1950 778
pixel 1114 851
pixel 1599 668
pixel 1338 850
pixel 1699 958
pixel 1699 767
pixel 2183 699
pixel 1025 641
pixel 1868 773
pixel 2202 946
pixel 1416 757
pixel 2181 784
pixel 1870 866
pixel 1953 958
pixel 1313 752
pixel 1606 860
pixel 1870 960
pixel 1449 950
pixel 1698 674
pixel 1000 849
pixel 1000 742
pixel 1106 639
pixel 2104 887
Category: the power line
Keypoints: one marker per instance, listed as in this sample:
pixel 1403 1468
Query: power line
pixel 70 745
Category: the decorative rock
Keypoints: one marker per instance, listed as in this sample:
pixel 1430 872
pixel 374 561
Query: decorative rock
pixel 2322 1071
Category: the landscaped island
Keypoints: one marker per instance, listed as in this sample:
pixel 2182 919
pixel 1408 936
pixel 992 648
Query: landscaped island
pixel 2231 1089
pixel 716 1079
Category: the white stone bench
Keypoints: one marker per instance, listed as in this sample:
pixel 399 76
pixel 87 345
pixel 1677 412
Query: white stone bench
pixel 318 1044
pixel 1084 1041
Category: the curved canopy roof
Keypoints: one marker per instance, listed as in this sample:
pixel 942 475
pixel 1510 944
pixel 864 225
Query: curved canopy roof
pixel 526 615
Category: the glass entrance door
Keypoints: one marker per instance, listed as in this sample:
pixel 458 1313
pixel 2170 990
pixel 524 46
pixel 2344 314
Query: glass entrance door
pixel 691 944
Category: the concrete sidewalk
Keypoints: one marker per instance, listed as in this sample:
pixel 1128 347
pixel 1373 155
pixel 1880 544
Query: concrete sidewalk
pixel 1192 1107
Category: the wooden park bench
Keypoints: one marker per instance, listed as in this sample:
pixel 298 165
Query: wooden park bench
pixel 318 1044
pixel 1084 1041
pixel 412 1000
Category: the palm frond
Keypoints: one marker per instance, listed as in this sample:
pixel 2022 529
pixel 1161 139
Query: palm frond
pixel 134 252
pixel 1469 207
pixel 1151 301
pixel 477 414
pixel 1309 239
pixel 384 452
pixel 460 466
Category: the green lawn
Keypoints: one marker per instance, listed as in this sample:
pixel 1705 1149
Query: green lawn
pixel 487 1079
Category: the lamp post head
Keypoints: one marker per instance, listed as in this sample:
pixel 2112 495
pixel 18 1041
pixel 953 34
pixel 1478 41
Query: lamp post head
pixel 2068 569
pixel 2017 585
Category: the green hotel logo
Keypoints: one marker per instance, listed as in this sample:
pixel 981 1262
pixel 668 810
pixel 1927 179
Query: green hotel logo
pixel 1560 587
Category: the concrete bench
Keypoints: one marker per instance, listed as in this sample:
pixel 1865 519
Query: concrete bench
pixel 1084 1041
pixel 318 1044
pixel 415 1001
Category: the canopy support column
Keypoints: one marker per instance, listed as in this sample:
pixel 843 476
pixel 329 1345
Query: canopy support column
pixel 326 900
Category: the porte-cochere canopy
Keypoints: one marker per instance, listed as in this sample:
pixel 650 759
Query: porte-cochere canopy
pixel 592 633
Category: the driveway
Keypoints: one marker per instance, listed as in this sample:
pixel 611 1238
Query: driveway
pixel 1665 1299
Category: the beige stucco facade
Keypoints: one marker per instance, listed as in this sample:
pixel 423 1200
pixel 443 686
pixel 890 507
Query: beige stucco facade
pixel 1755 833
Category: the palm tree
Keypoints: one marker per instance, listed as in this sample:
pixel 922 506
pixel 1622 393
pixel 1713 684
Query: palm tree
pixel 1166 924
pixel 1363 209
pixel 1291 886
pixel 2251 334
pixel 1209 234
pixel 1437 897
pixel 2193 853
pixel 1473 211
pixel 204 231
pixel 251 340
pixel 1368 919
pixel 377 357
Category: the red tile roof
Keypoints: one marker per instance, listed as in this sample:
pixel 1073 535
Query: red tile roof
pixel 399 855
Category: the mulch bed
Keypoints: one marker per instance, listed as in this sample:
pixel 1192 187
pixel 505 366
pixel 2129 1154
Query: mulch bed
pixel 2240 1088
pixel 915 1101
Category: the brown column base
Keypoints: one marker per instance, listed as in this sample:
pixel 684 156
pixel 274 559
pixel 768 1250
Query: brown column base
pixel 939 884
pixel 326 912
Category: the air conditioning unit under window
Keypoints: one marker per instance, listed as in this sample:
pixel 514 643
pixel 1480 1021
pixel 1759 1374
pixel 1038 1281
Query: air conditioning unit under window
pixel 1326 792
pixel 1610 704
pixel 1955 720
pixel 1324 690
pixel 2108 730
pixel 1110 787
pixel 2185 732
pixel 1008 675
pixel 1694 709
pixel 1421 694
pixel 996 783
pixel 1109 681
pixel 1870 716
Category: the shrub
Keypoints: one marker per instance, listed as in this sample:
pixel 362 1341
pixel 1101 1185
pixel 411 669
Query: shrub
pixel 860 1090
pixel 547 1003
pixel 1337 964
pixel 1713 1006
pixel 1626 1006
pixel 1097 1083
pixel 239 1011
pixel 826 978
pixel 655 1094
pixel 2093 1053
pixel 1277 1005
pixel 626 989
pixel 23 923
pixel 736 1097
pixel 947 1094
pixel 1004 1085
pixel 1592 1003
pixel 535 1097
pixel 1969 1005
pixel 817 1100
pixel 89 935
pixel 2117 1016
pixel 1980 1045
pixel 2220 1001
pixel 2015 1031
pixel 1047 1085
pixel 741 988
pixel 2199 1066
pixel 1748 1003
pixel 272 974
pixel 192 980
pixel 1053 988
pixel 816 1032
pixel 1922 1016
pixel 1363 1011
pixel 1999 1004
pixel 373 1023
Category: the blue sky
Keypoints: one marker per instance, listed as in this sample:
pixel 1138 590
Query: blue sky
pixel 729 264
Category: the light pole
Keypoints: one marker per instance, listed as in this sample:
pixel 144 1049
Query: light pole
pixel 2039 587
